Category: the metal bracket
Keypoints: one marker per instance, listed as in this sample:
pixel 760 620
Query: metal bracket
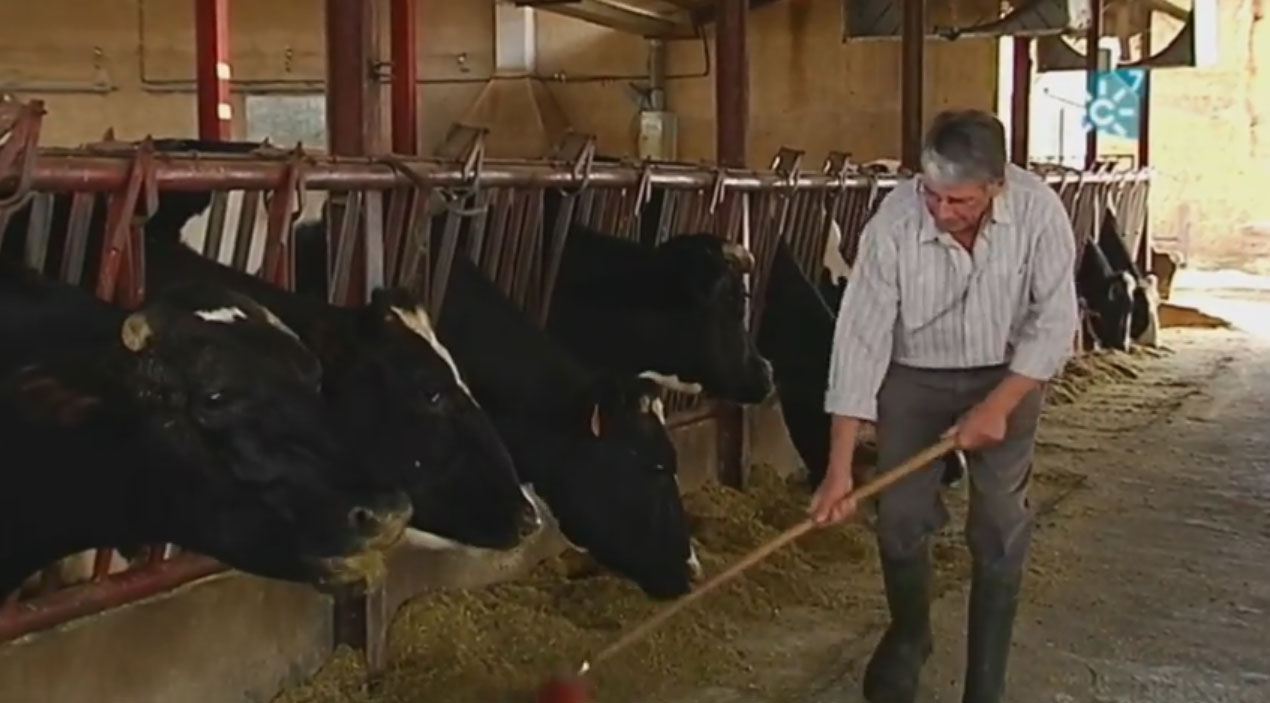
pixel 23 133
pixel 787 163
pixel 578 150
pixel 278 266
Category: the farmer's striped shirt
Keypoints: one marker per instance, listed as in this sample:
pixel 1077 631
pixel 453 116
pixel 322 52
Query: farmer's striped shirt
pixel 918 298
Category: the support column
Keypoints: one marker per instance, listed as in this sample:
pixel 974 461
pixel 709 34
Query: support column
pixel 352 115
pixel 1093 35
pixel 732 83
pixel 405 72
pixel 732 120
pixel 211 51
pixel 912 65
pixel 1021 101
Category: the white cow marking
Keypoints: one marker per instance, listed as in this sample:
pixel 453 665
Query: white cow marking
pixel 674 383
pixel 694 564
pixel 418 539
pixel 1151 287
pixel 1129 286
pixel 833 261
pixel 417 321
pixel 223 315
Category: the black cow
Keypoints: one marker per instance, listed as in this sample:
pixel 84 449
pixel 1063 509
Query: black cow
pixel 398 399
pixel 674 313
pixel 593 445
pixel 196 420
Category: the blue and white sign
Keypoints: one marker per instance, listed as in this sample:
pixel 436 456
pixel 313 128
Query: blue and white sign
pixel 1114 104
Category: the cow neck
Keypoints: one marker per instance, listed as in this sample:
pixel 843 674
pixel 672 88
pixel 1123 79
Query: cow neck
pixel 103 503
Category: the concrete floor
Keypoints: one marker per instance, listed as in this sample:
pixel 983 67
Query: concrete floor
pixel 1149 580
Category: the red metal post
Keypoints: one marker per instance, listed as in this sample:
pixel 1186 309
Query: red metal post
pixel 211 47
pixel 1021 101
pixel 405 72
pixel 732 120
pixel 912 63
pixel 1093 35
pixel 352 119
pixel 732 83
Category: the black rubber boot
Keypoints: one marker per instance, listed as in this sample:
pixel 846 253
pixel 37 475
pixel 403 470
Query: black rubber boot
pixel 994 599
pixel 893 671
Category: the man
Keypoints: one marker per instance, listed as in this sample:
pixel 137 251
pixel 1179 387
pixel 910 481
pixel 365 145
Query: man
pixel 962 305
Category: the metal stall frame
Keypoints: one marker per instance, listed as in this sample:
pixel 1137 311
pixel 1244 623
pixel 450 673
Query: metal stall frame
pixel 785 201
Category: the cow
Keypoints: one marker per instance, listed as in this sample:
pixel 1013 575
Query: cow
pixel 397 397
pixel 195 419
pixel 1107 296
pixel 675 313
pixel 1144 321
pixel 594 445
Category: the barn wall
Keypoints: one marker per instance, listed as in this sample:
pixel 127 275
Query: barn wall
pixel 1210 144
pixel 130 64
pixel 808 90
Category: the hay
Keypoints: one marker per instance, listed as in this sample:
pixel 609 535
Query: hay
pixel 1085 371
pixel 497 644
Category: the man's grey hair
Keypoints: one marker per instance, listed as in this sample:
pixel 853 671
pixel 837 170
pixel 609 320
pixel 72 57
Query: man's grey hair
pixel 964 146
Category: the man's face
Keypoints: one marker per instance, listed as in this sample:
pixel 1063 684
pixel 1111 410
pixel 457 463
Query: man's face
pixel 959 207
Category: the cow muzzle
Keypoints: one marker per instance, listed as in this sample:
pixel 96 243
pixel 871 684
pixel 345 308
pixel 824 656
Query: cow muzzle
pixel 366 569
pixel 381 525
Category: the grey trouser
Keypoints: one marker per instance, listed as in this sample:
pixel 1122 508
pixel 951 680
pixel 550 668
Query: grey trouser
pixel 915 407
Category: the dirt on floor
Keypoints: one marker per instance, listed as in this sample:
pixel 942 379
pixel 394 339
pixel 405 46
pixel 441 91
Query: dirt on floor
pixel 791 622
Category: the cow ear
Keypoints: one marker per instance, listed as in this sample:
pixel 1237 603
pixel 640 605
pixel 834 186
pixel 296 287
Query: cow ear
pixel 595 420
pixel 137 331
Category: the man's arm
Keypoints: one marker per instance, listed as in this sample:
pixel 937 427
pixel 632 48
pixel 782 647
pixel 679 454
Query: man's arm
pixel 1045 340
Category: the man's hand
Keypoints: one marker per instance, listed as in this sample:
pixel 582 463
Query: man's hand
pixel 827 506
pixel 983 426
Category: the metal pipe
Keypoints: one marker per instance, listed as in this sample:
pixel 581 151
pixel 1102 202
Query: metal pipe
pixel 732 83
pixel 112 592
pixel 1093 35
pixel 1021 101
pixel 656 74
pixel 405 76
pixel 72 170
pixel 212 73
pixel 912 62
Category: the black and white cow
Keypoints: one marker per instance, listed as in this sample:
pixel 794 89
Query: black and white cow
pixel 395 392
pixel 1107 295
pixel 196 419
pixel 593 445
pixel 1144 320
pixel 675 313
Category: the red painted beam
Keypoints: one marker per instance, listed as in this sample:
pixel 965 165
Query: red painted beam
pixel 352 120
pixel 1021 101
pixel 211 50
pixel 1092 37
pixel 732 83
pixel 405 98
pixel 912 64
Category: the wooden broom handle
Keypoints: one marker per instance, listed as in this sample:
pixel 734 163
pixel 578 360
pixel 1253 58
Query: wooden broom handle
pixel 868 490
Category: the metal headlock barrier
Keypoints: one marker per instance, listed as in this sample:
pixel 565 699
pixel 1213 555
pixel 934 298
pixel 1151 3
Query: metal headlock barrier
pixel 401 221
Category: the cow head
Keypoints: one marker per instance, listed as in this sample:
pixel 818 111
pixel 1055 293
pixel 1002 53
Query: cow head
pixel 227 390
pixel 707 345
pixel 617 495
pixel 1111 311
pixel 413 421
